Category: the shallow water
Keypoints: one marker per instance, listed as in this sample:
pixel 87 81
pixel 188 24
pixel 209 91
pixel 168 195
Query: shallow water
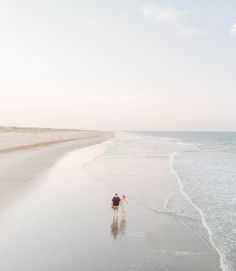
pixel 207 171
pixel 198 185
pixel 64 221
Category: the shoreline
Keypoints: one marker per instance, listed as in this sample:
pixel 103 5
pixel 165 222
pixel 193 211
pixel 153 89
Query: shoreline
pixel 59 217
pixel 203 221
pixel 193 242
pixel 14 139
pixel 154 244
pixel 28 153
pixel 43 144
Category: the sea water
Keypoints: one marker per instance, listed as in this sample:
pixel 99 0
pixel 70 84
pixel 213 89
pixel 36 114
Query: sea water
pixel 190 175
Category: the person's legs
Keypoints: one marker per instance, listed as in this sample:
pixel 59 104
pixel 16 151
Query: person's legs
pixel 116 211
pixel 123 212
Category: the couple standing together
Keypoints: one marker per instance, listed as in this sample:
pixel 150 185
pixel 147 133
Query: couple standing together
pixel 119 202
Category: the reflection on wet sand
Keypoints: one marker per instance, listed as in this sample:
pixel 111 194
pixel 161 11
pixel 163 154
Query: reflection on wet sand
pixel 122 229
pixel 118 228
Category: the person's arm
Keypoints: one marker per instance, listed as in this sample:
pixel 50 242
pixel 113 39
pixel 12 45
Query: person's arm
pixel 111 203
pixel 126 201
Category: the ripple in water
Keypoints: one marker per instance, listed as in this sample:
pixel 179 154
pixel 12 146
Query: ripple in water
pixel 205 191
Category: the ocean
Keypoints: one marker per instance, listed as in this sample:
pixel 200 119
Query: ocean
pixel 197 185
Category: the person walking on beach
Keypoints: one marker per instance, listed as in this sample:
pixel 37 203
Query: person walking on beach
pixel 123 203
pixel 115 204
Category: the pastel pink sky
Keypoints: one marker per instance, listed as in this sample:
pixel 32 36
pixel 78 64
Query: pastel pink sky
pixel 118 65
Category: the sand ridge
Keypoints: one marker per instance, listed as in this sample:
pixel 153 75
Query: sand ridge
pixel 26 153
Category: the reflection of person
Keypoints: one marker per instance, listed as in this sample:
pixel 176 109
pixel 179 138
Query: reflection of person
pixel 115 203
pixel 123 203
pixel 118 228
pixel 114 227
pixel 122 228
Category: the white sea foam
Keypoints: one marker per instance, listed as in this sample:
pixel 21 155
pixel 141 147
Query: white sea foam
pixel 181 188
pixel 190 184
pixel 184 144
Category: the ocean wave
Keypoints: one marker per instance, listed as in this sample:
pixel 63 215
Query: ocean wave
pixel 223 262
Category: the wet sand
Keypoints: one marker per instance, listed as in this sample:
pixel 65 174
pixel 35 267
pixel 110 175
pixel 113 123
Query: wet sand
pixel 64 222
pixel 26 153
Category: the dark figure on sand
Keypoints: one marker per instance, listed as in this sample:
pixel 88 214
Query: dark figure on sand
pixel 115 204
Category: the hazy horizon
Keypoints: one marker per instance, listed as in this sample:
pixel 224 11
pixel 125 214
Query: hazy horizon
pixel 158 131
pixel 118 65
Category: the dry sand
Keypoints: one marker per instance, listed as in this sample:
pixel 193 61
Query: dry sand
pixel 25 153
pixel 14 139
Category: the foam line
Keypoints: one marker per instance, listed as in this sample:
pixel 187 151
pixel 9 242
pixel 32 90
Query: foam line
pixel 181 189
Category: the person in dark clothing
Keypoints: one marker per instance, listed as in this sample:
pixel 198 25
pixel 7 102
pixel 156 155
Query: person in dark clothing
pixel 115 204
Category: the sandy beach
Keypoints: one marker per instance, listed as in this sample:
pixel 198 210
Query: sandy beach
pixel 135 98
pixel 25 153
pixel 55 216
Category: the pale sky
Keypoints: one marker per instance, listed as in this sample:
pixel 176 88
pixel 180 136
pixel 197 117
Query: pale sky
pixel 118 65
